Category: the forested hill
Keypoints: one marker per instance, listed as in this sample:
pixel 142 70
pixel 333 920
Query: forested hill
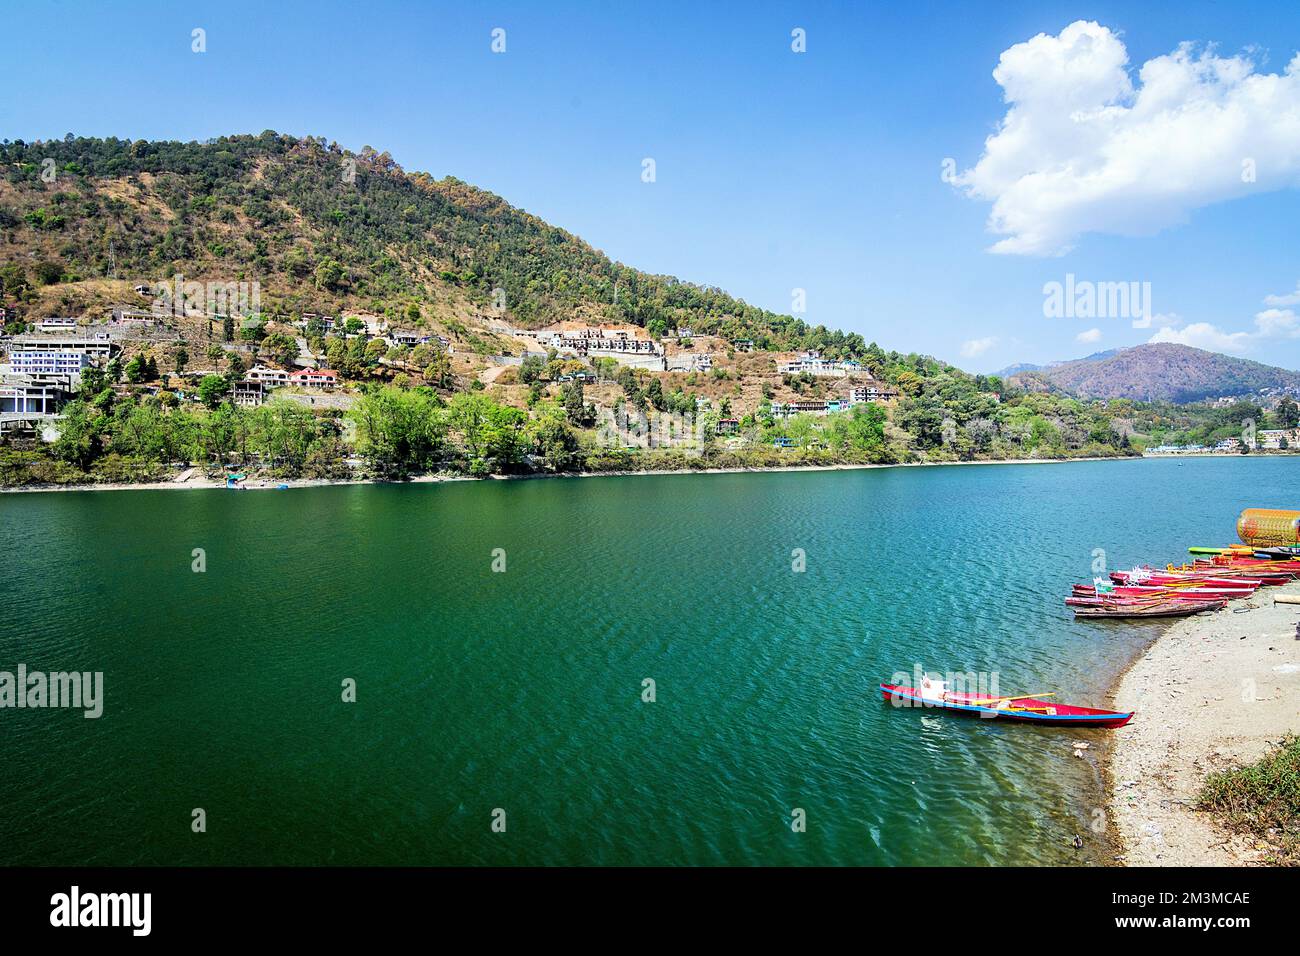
pixel 323 229
pixel 1161 371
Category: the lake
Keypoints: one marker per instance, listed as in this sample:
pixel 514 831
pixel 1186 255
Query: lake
pixel 521 689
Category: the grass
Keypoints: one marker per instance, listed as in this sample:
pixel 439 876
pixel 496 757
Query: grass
pixel 1262 799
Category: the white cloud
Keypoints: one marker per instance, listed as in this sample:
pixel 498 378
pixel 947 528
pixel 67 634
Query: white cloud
pixel 976 347
pixel 1163 318
pixel 1203 335
pixel 1270 325
pixel 1277 324
pixel 1088 337
pixel 1291 298
pixel 1081 149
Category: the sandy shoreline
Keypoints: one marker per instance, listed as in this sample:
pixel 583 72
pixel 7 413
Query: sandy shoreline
pixel 272 483
pixel 1212 691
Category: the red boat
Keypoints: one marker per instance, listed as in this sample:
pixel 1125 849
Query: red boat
pixel 1195 592
pixel 1028 710
pixel 1220 576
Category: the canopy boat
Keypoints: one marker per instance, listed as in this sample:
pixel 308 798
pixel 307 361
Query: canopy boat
pixel 1029 710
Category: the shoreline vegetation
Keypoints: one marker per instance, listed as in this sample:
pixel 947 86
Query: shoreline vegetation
pixel 396 433
pixel 1213 694
pixel 191 478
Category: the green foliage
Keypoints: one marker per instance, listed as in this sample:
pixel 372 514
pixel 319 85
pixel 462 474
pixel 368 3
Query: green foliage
pixel 1262 799
pixel 399 432
pixel 493 435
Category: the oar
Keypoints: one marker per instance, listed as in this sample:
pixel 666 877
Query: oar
pixel 994 700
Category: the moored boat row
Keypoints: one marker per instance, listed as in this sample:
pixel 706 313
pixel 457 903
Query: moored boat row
pixel 1213 578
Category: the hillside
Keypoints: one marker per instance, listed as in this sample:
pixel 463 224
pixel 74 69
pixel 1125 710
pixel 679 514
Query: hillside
pixel 1161 372
pixel 448 310
pixel 323 230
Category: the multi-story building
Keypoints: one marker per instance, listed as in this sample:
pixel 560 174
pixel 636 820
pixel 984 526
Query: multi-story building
pixel 248 394
pixel 874 392
pixel 267 376
pixel 808 407
pixel 96 345
pixel 813 364
pixel 49 362
pixel 27 397
pixel 1278 438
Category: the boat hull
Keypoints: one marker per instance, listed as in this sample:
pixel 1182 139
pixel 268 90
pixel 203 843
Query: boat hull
pixel 1065 715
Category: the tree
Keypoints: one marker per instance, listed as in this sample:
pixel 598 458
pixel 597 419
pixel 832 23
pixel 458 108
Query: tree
pixel 212 390
pixel 93 381
pixel 574 407
pixel 492 434
pixel 182 358
pixel 1288 413
pixel 80 439
pixel 281 348
pixel 438 371
pixel 399 431
pixel 329 275
pixel 136 369
pixel 531 369
pixel 552 438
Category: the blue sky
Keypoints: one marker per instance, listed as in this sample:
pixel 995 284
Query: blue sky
pixel 774 170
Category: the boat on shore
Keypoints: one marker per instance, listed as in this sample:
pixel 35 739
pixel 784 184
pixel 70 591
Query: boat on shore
pixel 1030 710
pixel 1140 609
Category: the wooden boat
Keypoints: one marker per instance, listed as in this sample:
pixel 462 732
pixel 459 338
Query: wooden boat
pixel 1144 609
pixel 1250 564
pixel 1028 710
pixel 1204 577
pixel 1176 592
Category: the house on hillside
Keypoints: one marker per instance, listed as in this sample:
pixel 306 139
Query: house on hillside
pixel 873 392
pixel 56 325
pixel 323 378
pixel 267 376
pixel 24 396
pixel 813 363
pixel 248 394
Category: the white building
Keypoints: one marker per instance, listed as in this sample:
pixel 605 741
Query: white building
pixel 267 376
pixel 49 362
pixel 57 325
pixel 1278 437
pixel 96 345
pixel 315 378
pixel 874 392
pixel 31 398
pixel 814 364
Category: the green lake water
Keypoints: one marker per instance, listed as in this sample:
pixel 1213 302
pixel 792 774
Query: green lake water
pixel 522 690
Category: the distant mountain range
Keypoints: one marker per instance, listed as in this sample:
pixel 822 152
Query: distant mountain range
pixel 1021 367
pixel 1156 372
